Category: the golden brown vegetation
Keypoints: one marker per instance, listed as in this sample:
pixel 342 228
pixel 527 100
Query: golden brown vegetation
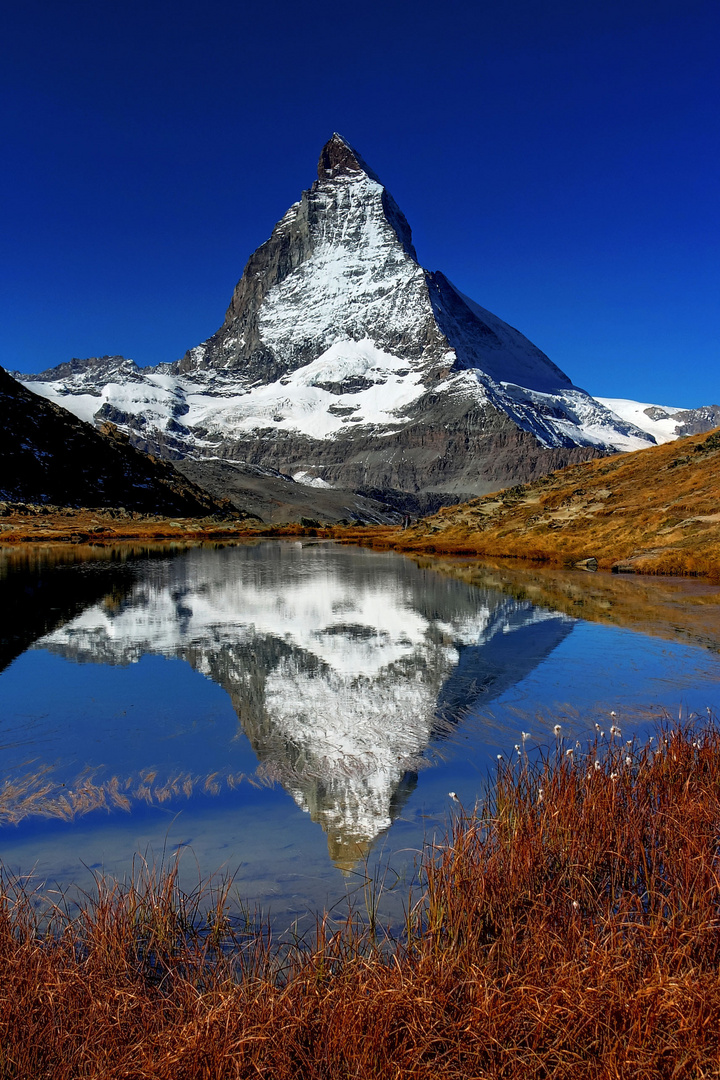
pixel 39 793
pixel 652 511
pixel 569 927
pixel 98 528
pixel 22 524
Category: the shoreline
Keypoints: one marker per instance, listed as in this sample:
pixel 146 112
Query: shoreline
pixel 652 511
pixel 63 527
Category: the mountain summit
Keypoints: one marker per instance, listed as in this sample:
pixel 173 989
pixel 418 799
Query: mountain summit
pixel 343 363
pixel 338 156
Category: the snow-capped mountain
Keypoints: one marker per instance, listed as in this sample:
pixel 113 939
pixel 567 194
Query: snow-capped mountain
pixel 342 362
pixel 341 680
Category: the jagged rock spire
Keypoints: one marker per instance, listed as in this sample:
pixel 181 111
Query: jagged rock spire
pixel 337 157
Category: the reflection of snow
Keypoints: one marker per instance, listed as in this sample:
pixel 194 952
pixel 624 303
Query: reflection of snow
pixel 334 661
pixel 354 627
pixel 360 736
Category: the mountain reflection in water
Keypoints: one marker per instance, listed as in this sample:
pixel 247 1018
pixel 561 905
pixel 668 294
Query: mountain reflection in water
pixel 342 666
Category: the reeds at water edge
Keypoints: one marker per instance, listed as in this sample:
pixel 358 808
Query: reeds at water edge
pixel 568 927
pixel 38 793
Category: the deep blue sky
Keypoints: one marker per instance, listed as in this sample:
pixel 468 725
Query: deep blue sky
pixel 557 160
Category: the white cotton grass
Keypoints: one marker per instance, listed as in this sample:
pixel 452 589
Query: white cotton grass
pixel 619 762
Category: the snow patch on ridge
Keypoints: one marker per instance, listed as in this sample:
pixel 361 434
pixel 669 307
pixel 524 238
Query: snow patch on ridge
pixel 310 481
pixel 657 420
pixel 300 401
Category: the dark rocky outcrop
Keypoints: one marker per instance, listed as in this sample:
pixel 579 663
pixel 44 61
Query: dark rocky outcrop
pixel 47 455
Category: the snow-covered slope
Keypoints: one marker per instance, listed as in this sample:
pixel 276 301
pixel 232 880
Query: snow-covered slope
pixel 342 359
pixel 664 422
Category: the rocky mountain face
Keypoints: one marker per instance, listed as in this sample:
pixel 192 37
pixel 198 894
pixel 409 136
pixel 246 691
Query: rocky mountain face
pixel 50 456
pixel 342 363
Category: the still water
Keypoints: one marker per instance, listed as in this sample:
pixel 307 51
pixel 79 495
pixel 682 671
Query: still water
pixel 296 714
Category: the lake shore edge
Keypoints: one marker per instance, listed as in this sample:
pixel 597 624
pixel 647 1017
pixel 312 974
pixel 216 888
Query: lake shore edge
pixel 38 525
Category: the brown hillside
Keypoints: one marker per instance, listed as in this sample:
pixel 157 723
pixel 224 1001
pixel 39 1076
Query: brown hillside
pixel 654 511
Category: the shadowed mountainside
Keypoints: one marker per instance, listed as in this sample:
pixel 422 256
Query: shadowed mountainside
pixel 49 456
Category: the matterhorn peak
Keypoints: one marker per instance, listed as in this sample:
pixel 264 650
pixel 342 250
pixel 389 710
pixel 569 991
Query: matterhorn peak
pixel 344 363
pixel 338 158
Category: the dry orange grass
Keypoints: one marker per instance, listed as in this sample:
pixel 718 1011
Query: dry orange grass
pixel 23 524
pixel 653 511
pixel 93 530
pixel 570 927
pixel 39 793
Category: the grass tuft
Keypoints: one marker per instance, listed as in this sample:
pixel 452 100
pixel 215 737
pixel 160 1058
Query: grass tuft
pixel 569 926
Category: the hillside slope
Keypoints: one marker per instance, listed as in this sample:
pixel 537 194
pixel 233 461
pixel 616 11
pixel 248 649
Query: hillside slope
pixel 654 510
pixel 49 456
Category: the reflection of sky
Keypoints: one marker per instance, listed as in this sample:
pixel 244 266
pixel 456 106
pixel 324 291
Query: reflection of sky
pixel 594 670
pixel 387 657
pixel 115 719
pixel 602 668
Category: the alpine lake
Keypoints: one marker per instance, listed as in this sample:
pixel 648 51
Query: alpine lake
pixel 294 715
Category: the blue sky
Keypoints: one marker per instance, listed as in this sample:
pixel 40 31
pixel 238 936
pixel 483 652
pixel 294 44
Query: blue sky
pixel 557 160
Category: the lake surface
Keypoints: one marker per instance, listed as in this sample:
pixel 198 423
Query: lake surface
pixel 295 714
